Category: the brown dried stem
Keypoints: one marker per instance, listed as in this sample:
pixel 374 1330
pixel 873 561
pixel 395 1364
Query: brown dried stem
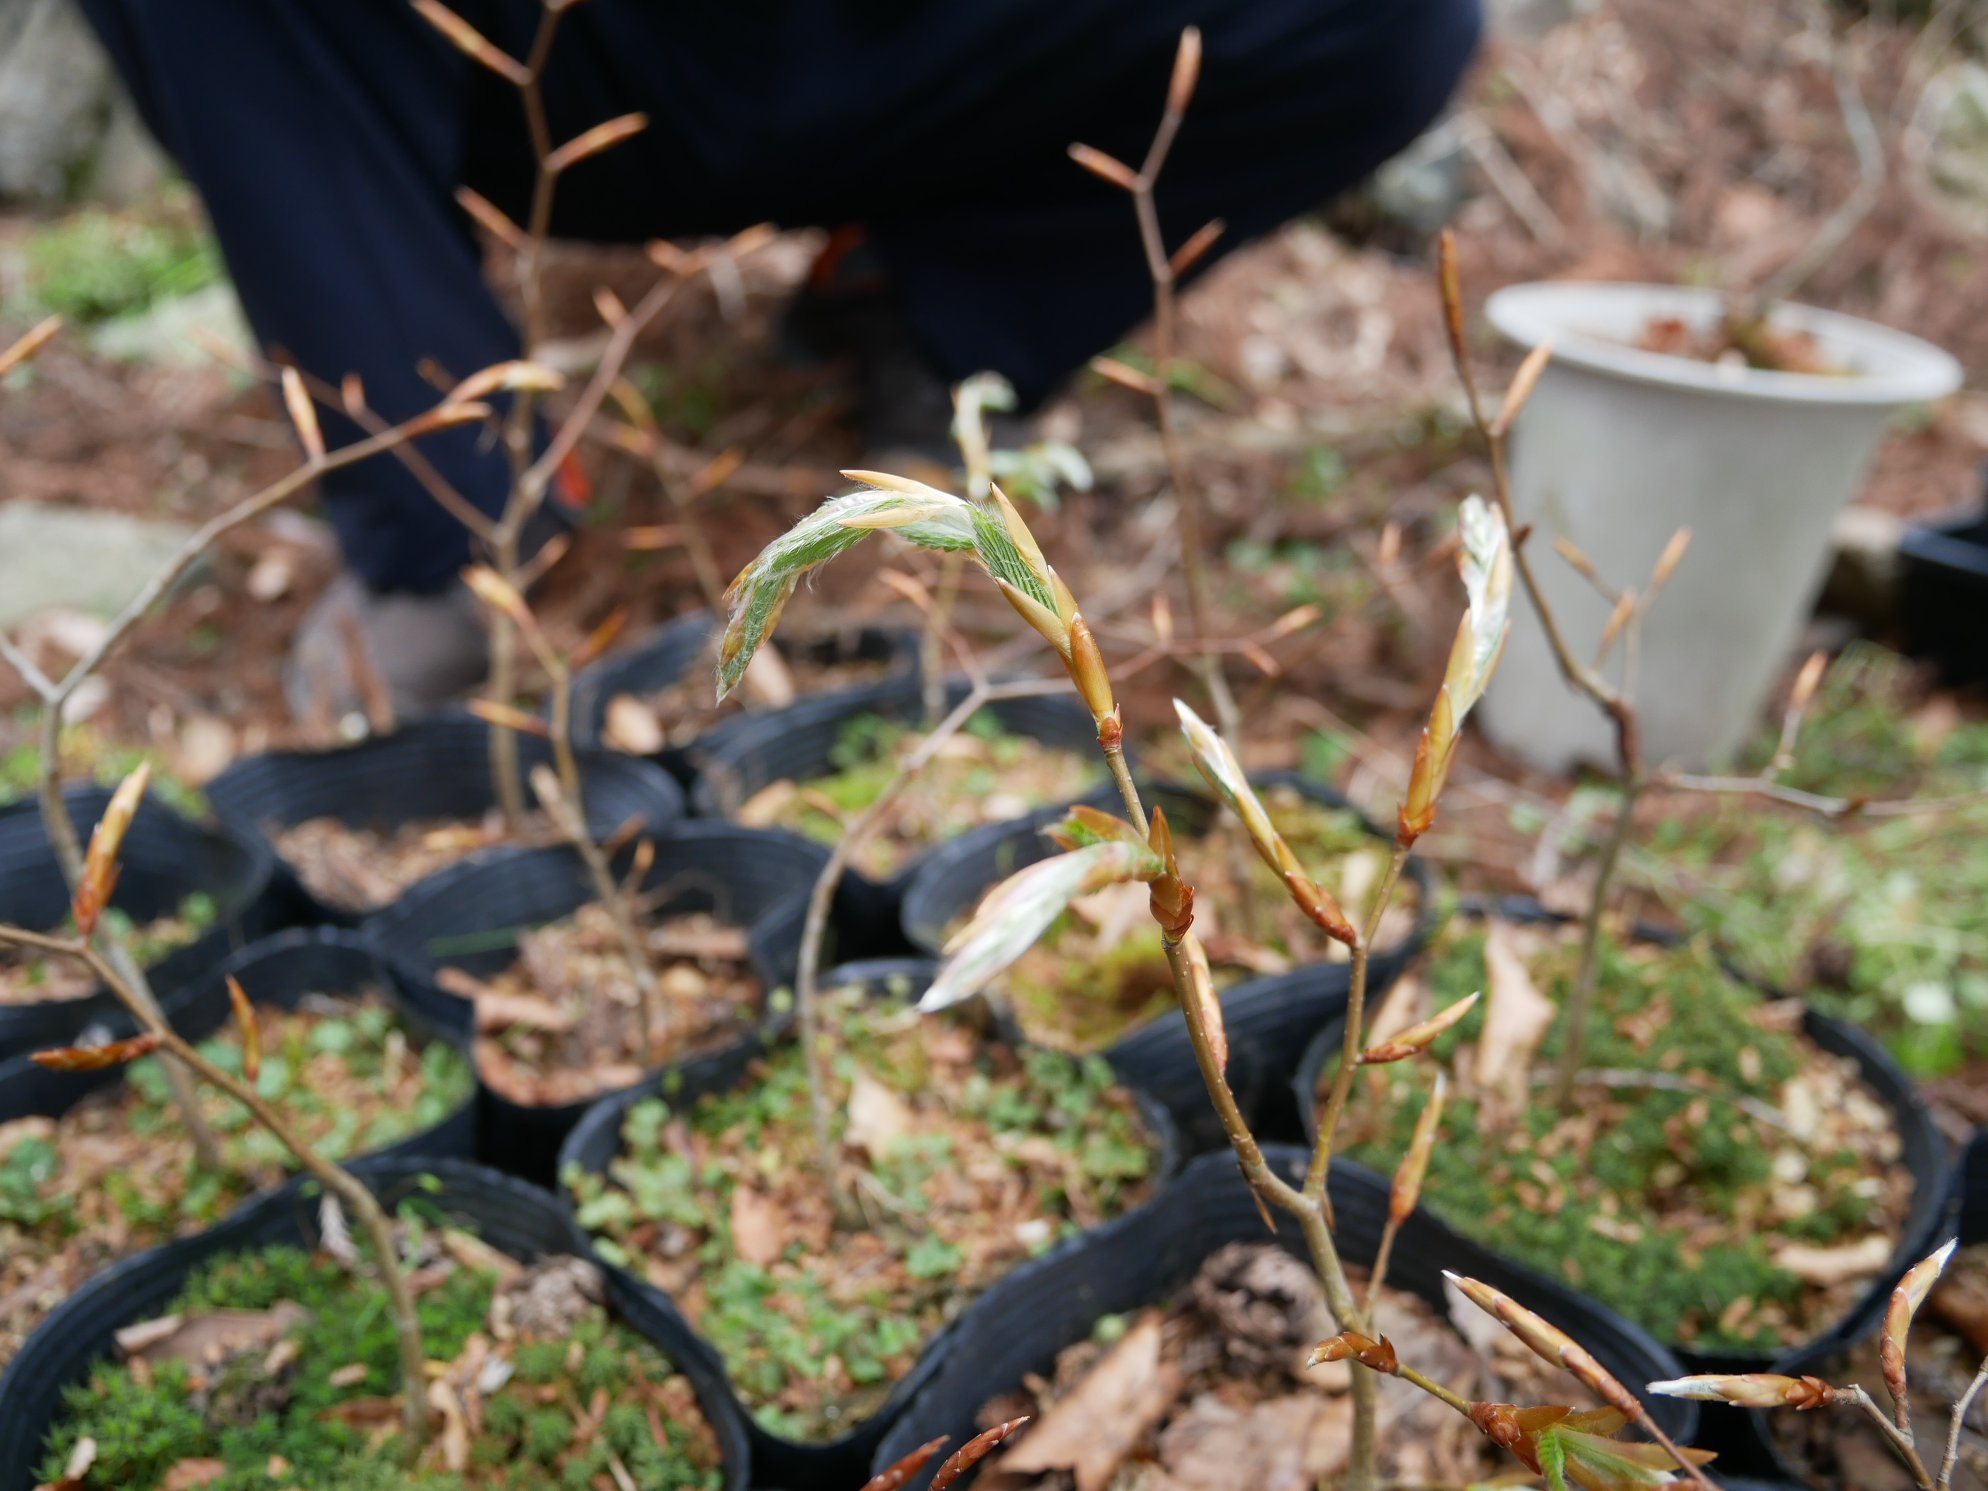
pixel 336 1180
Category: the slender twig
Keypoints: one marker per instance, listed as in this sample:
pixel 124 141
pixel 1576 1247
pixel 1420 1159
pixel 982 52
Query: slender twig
pixel 1580 997
pixel 1958 1423
pixel 1899 1441
pixel 1355 1032
pixel 340 1182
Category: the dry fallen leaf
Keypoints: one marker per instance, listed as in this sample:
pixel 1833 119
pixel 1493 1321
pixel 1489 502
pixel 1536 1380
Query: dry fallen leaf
pixel 1516 1019
pixel 212 1335
pixel 1835 1264
pixel 1096 1425
pixel 878 1117
pixel 454 1437
pixel 187 1474
pixel 759 1232
pixel 630 725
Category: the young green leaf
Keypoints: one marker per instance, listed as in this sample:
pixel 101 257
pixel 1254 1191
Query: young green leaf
pixel 1020 909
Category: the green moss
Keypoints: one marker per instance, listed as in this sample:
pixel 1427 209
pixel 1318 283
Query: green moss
pixel 1580 1194
pixel 242 1417
pixel 95 265
pixel 1879 920
pixel 814 1338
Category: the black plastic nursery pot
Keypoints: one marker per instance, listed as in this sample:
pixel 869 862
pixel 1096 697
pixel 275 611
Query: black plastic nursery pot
pixel 1143 1258
pixel 1268 1019
pixel 165 859
pixel 279 970
pixel 673 652
pixel 1824 1358
pixel 1943 593
pixel 472 914
pixel 1922 1151
pixel 515 1218
pixel 841 1462
pixel 797 743
pixel 437 768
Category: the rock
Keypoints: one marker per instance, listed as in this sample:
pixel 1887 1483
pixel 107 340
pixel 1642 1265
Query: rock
pixel 165 333
pixel 77 557
pixel 55 91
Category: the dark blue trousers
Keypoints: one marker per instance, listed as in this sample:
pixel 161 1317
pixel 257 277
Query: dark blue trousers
pixel 327 138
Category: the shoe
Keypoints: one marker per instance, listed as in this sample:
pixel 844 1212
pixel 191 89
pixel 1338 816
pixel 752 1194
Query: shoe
pixel 356 649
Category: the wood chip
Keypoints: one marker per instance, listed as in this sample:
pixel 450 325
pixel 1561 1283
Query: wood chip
pixel 1837 1263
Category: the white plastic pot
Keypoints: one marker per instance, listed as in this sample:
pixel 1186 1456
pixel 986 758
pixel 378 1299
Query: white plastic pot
pixel 1618 448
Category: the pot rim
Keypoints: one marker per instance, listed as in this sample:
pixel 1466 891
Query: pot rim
pixel 1590 324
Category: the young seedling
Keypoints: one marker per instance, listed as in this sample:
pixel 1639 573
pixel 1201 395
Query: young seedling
pixel 56 694
pixel 562 791
pixel 1165 270
pixel 1103 849
pixel 533 471
pixel 1770 1390
pixel 100 869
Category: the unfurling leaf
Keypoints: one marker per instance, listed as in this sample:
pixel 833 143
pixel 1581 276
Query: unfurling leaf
pixel 1351 1346
pixel 1750 1390
pixel 1418 1037
pixel 974 1451
pixel 1408 1177
pixel 249 1026
pixel 1906 1299
pixel 97 1058
pixel 993 533
pixel 1484 558
pixel 1087 825
pixel 471 42
pixel 1020 909
pixel 100 863
pixel 303 413
pixel 603 136
pixel 1217 763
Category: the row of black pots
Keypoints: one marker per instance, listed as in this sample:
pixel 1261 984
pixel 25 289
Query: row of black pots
pixel 278 971
pixel 433 768
pixel 166 858
pixel 596 1143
